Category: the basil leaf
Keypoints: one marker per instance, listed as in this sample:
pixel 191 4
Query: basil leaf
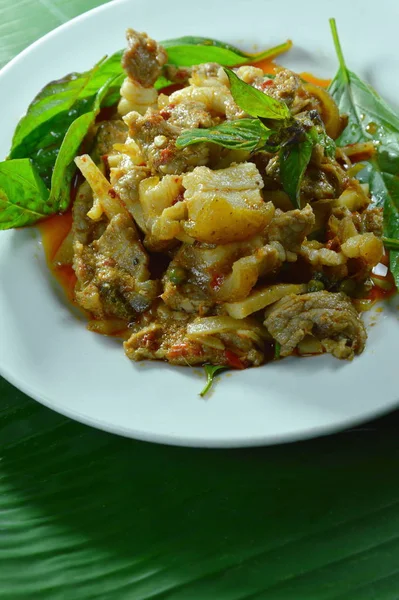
pixel 370 118
pixel 64 167
pixel 59 117
pixel 40 132
pixel 390 243
pixel 211 371
pixel 226 51
pixel 24 199
pixel 254 102
pixel 294 158
pixel 189 51
pixel 328 144
pixel 244 134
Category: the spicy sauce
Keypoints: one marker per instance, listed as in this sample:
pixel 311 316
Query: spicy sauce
pixel 268 66
pixel 54 230
pixel 309 78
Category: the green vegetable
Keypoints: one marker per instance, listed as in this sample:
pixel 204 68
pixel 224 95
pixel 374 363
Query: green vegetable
pixel 328 144
pixel 315 285
pixel 390 243
pixel 211 371
pixel 177 275
pixel 183 51
pixel 294 159
pixel 348 287
pixel 187 55
pixel 24 199
pixel 64 167
pixel 244 134
pixel 254 102
pixel 40 132
pixel 277 350
pixel 58 119
pixel 370 118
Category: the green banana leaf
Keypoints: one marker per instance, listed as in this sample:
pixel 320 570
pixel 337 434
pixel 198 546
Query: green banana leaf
pixel 85 514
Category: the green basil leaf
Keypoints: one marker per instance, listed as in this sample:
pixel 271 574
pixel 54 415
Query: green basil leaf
pixel 211 371
pixel 24 199
pixel 328 144
pixel 254 102
pixel 370 118
pixel 189 51
pixel 277 350
pixel 390 243
pixel 64 167
pixel 244 134
pixel 232 50
pixel 41 131
pixel 294 158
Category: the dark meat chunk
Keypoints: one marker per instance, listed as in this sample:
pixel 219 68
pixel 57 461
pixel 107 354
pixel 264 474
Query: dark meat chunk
pixel 84 229
pixel 166 337
pixel 291 228
pixel 108 133
pixel 143 59
pixel 112 272
pixel 316 185
pixel 191 115
pixel 156 139
pixel 283 87
pixel 179 75
pixel 329 317
pixel 372 221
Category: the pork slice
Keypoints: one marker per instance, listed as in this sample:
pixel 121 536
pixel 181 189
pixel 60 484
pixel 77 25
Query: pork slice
pixel 112 272
pixel 330 317
pixel 291 228
pixel 143 59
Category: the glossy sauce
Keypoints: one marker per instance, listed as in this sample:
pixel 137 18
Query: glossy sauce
pixel 54 230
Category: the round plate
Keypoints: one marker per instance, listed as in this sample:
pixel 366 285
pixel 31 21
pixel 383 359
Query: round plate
pixel 45 349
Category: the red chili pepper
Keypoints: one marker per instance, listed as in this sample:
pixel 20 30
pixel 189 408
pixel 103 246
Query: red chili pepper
pixel 184 349
pixel 333 244
pixel 216 281
pixel 233 360
pixel 267 83
pixel 165 155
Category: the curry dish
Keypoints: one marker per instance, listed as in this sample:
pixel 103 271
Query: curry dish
pixel 196 252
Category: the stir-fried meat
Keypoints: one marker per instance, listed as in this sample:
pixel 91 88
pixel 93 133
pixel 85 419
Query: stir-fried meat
pixel 290 228
pixel 188 297
pixel 229 238
pixel 166 337
pixel 85 230
pixel 108 133
pixel 190 115
pixel 316 186
pixel 143 59
pixel 175 74
pixel 329 317
pixel 372 221
pixel 112 273
pixel 283 87
pixel 156 139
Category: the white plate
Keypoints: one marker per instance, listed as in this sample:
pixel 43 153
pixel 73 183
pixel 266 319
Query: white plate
pixel 47 352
